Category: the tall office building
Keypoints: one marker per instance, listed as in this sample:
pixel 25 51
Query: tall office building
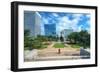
pixel 32 22
pixel 50 29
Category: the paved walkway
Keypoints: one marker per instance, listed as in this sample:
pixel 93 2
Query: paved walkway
pixel 51 51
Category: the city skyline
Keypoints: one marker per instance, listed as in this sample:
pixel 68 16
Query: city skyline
pixel 74 21
pixel 62 21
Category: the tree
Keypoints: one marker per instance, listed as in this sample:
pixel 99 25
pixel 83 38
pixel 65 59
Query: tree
pixel 36 44
pixel 82 38
pixel 26 32
pixel 73 37
pixel 42 38
pixel 28 40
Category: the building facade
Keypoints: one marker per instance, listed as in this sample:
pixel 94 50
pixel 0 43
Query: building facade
pixel 50 29
pixel 32 22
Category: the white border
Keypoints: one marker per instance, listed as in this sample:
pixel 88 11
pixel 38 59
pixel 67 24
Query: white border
pixel 22 64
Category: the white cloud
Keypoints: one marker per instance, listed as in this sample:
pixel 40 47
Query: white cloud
pixel 74 23
pixel 66 23
pixel 88 28
pixel 65 19
pixel 77 15
pixel 88 15
pixel 55 14
pixel 79 28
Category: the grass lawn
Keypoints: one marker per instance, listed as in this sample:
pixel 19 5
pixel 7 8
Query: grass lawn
pixel 75 46
pixel 58 45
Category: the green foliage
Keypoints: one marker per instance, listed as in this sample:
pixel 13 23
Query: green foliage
pixel 27 40
pixel 36 44
pixel 41 38
pixel 47 38
pixel 73 37
pixel 82 38
pixel 29 43
pixel 26 32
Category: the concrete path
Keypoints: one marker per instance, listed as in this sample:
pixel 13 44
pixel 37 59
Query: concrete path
pixel 51 53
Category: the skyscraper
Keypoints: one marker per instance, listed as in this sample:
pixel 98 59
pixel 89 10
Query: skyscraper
pixel 32 22
pixel 50 29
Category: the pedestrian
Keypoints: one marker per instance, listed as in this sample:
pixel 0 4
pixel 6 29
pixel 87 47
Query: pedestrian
pixel 59 51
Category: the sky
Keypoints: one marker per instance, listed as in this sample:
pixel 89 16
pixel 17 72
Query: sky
pixel 75 21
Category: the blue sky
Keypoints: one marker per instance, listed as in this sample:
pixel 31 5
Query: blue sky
pixel 75 21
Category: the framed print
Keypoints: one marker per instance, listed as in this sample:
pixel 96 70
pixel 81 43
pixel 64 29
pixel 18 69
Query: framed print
pixel 52 36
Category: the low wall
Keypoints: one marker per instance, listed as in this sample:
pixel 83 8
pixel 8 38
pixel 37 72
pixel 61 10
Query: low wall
pixel 30 54
pixel 84 53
